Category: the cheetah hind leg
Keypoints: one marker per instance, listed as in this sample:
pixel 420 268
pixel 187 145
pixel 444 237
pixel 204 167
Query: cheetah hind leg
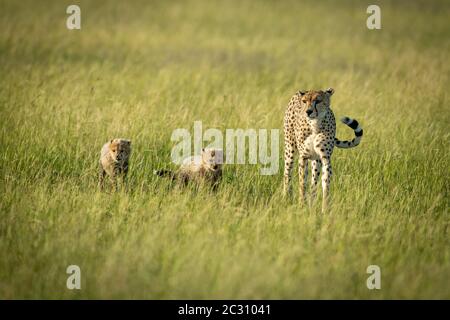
pixel 326 179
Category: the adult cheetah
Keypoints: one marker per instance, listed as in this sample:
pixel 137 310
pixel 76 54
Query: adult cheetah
pixel 310 128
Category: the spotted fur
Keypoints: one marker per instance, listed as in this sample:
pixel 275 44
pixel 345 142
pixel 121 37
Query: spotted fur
pixel 114 160
pixel 206 167
pixel 310 129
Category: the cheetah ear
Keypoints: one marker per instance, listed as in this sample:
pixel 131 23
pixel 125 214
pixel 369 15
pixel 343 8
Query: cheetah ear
pixel 111 141
pixel 302 92
pixel 329 91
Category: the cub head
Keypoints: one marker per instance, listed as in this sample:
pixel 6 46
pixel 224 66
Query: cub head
pixel 212 158
pixel 120 149
pixel 316 102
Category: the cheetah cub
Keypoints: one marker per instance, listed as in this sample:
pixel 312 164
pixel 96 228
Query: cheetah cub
pixel 114 159
pixel 206 167
pixel 310 129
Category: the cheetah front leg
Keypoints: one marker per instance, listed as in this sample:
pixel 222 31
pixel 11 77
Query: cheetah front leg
pixel 122 184
pixel 114 183
pixel 326 179
pixel 316 166
pixel 101 177
pixel 113 178
pixel 288 165
pixel 302 178
pixel 124 177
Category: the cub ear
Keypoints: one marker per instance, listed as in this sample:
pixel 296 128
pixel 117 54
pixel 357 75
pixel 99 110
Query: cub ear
pixel 111 144
pixel 302 92
pixel 330 91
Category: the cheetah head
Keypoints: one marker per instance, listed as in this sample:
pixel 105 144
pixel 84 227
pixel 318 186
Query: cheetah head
pixel 212 158
pixel 316 102
pixel 120 149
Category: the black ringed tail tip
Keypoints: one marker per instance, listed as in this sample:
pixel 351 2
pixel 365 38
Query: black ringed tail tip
pixel 352 123
pixel 359 133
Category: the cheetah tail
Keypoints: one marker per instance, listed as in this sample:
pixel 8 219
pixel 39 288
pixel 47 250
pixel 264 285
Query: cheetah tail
pixel 164 173
pixel 358 134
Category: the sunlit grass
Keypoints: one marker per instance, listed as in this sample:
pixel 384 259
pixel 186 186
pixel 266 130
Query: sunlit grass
pixel 139 70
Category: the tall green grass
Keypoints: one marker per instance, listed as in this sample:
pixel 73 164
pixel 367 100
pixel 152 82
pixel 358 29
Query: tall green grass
pixel 141 69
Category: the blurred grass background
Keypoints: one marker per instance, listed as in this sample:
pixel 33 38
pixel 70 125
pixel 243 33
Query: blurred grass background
pixel 140 69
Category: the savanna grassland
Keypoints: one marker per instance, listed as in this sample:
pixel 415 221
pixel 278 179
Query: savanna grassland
pixel 140 69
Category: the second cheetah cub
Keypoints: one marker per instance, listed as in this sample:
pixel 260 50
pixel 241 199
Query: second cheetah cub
pixel 206 167
pixel 114 161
